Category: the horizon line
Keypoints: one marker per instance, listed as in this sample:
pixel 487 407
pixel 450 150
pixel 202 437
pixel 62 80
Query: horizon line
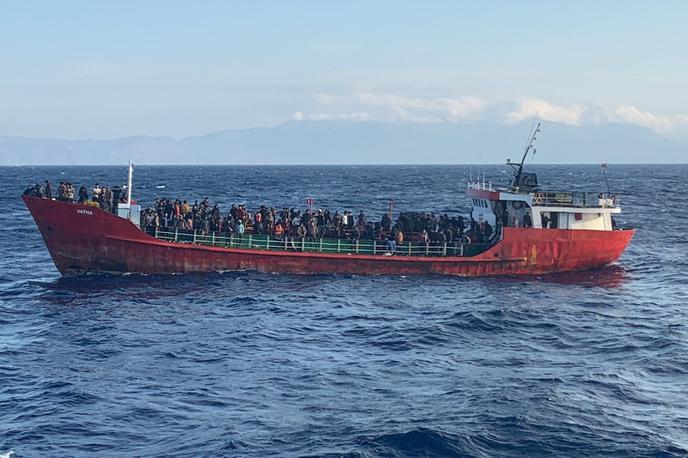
pixel 432 164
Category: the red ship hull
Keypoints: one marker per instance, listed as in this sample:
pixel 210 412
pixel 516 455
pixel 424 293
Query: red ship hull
pixel 83 239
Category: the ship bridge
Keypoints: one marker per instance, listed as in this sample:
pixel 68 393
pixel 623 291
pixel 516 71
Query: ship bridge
pixel 524 204
pixel 512 207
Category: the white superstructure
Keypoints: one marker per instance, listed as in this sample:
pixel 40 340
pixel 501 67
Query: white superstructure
pixel 524 204
pixel 538 209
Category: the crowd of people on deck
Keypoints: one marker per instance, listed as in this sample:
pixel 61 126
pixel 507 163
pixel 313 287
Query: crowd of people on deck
pixel 206 218
pixel 310 223
pixel 101 196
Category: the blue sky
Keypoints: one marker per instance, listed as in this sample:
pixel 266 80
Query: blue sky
pixel 103 69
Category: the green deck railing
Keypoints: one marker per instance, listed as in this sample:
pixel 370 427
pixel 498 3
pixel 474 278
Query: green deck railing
pixel 319 245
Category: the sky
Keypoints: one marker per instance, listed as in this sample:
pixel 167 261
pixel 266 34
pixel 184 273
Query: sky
pixel 103 69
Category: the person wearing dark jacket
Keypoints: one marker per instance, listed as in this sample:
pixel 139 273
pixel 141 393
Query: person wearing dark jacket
pixel 527 220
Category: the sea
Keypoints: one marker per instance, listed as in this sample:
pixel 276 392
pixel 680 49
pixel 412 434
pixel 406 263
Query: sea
pixel 254 364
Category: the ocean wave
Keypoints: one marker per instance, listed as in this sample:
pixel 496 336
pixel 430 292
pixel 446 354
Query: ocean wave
pixel 252 364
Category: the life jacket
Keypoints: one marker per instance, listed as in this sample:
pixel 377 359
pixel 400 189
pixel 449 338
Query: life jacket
pixel 279 230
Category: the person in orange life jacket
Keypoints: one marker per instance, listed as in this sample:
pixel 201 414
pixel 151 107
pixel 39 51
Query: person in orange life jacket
pixel 186 208
pixel 279 230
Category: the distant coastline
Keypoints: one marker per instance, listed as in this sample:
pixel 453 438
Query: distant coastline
pixel 335 143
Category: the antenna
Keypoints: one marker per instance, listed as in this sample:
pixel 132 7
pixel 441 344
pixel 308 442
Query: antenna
pixel 131 174
pixel 604 172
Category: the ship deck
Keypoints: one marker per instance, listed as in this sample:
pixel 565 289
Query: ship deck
pixel 319 245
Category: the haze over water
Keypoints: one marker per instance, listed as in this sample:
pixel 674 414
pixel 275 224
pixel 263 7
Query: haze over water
pixel 253 364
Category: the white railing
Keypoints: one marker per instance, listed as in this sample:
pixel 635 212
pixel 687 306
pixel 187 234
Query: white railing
pixel 480 186
pixel 575 199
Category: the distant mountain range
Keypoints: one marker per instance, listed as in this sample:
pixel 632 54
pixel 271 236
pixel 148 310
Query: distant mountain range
pixel 320 142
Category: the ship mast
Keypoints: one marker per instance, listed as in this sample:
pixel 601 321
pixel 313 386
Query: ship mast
pixel 129 180
pixel 530 146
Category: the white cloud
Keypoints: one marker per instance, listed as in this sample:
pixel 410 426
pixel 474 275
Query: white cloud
pixel 425 109
pixel 536 108
pixel 388 107
pixel 662 124
pixel 358 116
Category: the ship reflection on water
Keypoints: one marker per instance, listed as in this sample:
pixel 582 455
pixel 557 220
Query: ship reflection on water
pixel 153 287
pixel 611 276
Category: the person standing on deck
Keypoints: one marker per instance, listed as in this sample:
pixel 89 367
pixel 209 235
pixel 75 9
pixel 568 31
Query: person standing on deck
pixel 399 236
pixel 312 228
pixel 116 197
pixel 83 195
pixel 544 217
pixel 391 243
pixel 527 220
pixel 486 232
pixel 279 230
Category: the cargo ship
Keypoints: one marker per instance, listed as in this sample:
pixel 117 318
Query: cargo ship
pixel 535 232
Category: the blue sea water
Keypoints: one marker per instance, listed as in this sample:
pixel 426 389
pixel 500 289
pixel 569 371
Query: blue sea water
pixel 253 364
